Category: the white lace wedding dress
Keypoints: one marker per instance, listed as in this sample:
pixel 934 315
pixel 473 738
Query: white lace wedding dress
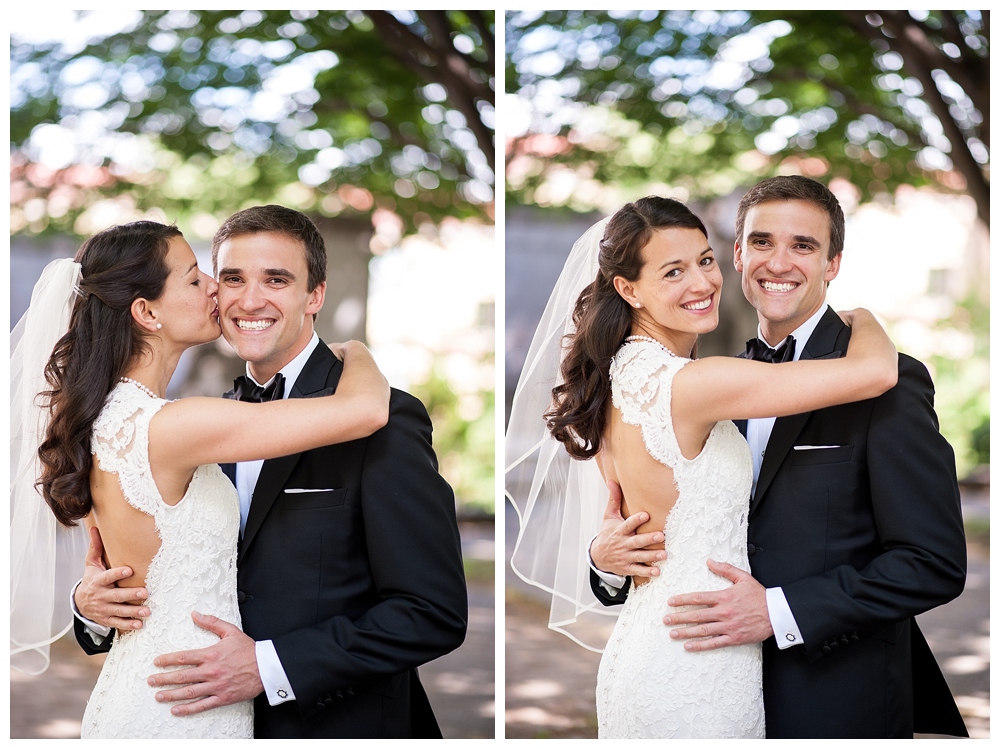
pixel 194 570
pixel 648 686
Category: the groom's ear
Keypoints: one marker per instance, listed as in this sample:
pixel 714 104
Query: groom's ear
pixel 316 298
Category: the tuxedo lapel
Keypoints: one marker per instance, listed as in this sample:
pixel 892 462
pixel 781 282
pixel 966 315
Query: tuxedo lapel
pixel 311 382
pixel 229 468
pixel 828 341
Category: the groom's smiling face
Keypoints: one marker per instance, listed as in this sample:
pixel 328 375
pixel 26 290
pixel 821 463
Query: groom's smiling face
pixel 784 259
pixel 265 305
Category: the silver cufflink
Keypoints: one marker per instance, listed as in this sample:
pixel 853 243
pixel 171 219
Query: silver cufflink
pixel 282 693
pixel 790 637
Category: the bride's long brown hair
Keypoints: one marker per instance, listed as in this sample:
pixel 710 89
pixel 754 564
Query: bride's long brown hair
pixel 603 319
pixel 119 265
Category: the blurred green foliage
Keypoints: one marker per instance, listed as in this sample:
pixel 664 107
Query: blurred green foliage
pixel 977 531
pixel 331 112
pixel 708 101
pixel 962 386
pixel 464 444
pixel 981 441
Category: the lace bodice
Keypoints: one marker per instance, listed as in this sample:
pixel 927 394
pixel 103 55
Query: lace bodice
pixel 194 570
pixel 709 519
pixel 648 685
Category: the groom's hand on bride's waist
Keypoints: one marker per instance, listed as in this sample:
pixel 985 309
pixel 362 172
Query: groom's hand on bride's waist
pixel 222 674
pixel 99 599
pixel 736 615
pixel 618 549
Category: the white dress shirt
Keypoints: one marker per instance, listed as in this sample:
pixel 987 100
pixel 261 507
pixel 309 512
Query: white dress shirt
pixel 272 675
pixel 786 631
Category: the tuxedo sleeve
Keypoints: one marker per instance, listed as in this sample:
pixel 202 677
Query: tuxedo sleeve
pixel 605 593
pixel 416 562
pixel 918 516
pixel 85 641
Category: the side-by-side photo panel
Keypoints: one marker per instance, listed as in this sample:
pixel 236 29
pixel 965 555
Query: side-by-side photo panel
pixel 253 282
pixel 746 374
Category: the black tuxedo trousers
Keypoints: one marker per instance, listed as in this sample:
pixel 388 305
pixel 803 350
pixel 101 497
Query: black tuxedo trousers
pixel 861 536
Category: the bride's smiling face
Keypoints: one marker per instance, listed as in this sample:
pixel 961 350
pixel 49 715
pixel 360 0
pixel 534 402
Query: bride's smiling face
pixel 679 287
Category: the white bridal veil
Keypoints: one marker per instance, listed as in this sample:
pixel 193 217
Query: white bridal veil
pixel 560 501
pixel 46 559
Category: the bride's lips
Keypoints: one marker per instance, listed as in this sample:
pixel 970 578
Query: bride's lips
pixel 699 306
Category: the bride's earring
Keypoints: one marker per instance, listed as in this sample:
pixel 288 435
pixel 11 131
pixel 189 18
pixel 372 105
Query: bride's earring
pixel 638 305
pixel 159 325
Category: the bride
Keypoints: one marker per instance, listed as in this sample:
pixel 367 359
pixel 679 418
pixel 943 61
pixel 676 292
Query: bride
pixel 107 448
pixel 631 394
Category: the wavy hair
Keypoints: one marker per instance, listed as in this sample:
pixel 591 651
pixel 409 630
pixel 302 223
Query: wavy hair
pixel 119 265
pixel 603 320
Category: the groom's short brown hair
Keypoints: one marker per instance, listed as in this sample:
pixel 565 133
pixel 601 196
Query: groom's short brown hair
pixel 277 218
pixel 795 187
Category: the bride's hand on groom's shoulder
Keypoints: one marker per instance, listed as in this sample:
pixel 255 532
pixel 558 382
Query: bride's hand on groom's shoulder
pixel 338 349
pixel 852 316
pixel 98 597
pixel 342 349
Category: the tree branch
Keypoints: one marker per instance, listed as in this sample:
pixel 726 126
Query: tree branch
pixel 479 21
pixel 913 35
pixel 918 65
pixel 452 70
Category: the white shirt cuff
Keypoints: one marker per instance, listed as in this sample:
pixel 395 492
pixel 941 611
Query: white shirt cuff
pixel 272 675
pixel 97 632
pixel 786 631
pixel 612 583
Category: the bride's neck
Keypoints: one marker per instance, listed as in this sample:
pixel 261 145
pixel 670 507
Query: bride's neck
pixel 678 342
pixel 155 368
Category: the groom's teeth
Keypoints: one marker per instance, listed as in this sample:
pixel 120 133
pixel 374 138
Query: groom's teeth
pixel 254 324
pixel 770 286
pixel 703 304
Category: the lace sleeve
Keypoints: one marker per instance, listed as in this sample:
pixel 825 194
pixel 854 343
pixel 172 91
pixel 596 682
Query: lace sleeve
pixel 641 377
pixel 120 440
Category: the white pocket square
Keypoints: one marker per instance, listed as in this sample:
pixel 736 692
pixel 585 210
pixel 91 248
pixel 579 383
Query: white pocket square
pixel 815 447
pixel 306 491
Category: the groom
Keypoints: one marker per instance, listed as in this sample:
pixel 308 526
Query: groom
pixel 349 568
pixel 855 523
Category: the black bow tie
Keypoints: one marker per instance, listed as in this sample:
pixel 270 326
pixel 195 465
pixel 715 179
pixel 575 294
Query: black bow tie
pixel 245 389
pixel 760 351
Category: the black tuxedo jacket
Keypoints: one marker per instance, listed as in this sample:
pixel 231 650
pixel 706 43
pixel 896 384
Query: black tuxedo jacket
pixel 861 537
pixel 356 575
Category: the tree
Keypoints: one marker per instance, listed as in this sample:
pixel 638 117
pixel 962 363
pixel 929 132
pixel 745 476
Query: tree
pixel 708 101
pixel 334 112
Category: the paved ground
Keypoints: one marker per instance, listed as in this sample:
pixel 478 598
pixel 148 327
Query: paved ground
pixel 551 681
pixel 460 685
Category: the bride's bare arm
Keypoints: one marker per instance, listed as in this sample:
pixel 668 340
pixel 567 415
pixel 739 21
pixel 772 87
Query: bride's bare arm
pixel 717 388
pixel 196 431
